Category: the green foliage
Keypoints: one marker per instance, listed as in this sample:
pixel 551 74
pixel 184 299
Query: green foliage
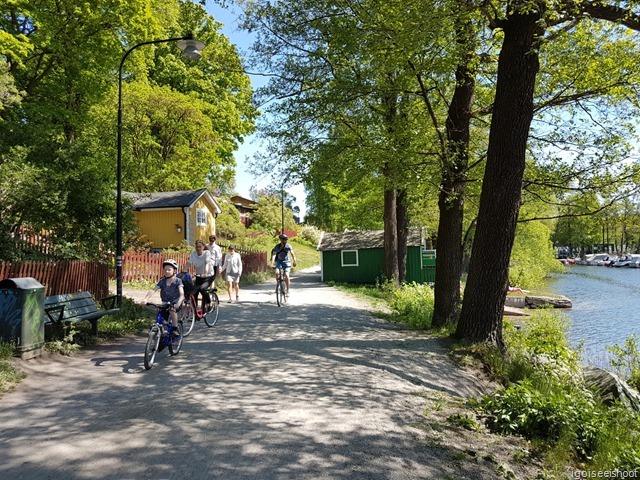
pixel 533 258
pixel 310 234
pixel 182 119
pixel 7 350
pixel 465 421
pixel 184 247
pixel 228 224
pixel 545 401
pixel 626 358
pixel 306 254
pixel 9 94
pixel 65 346
pixel 538 347
pixel 414 305
pixel 268 217
pixel 544 333
pixel 132 318
pixel 553 413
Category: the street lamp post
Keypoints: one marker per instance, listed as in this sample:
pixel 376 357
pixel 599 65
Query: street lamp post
pixel 190 50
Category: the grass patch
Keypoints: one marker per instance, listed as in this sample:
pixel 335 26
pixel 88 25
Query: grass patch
pixel 10 376
pixel 376 296
pixel 411 304
pixel 306 255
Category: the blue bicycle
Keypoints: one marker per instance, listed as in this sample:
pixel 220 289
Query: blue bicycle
pixel 160 335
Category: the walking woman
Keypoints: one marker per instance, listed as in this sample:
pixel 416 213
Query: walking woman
pixel 233 267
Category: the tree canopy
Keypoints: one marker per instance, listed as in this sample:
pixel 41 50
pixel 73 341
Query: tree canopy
pixel 182 119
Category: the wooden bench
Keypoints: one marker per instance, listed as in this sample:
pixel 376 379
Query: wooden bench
pixel 62 310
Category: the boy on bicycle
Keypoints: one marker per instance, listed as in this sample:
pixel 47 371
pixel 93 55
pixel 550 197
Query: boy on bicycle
pixel 171 291
pixel 280 258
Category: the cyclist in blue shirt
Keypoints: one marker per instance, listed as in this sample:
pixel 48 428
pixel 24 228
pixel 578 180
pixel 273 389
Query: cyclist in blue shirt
pixel 171 291
pixel 281 257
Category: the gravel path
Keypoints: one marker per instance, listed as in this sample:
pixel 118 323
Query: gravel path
pixel 317 390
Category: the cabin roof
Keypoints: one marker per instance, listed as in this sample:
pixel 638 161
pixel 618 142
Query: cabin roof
pixel 359 239
pixel 177 199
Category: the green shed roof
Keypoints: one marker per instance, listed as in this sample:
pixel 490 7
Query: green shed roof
pixel 359 239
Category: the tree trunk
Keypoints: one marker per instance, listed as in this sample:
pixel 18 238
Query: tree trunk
pixel 451 199
pixel 391 236
pixel 402 220
pixel 484 296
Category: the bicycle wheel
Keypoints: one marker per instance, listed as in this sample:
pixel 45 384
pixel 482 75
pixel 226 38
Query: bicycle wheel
pixel 175 343
pixel 188 316
pixel 151 348
pixel 280 292
pixel 212 315
pixel 284 294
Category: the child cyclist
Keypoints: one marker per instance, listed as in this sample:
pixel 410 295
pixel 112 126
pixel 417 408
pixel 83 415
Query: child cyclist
pixel 171 291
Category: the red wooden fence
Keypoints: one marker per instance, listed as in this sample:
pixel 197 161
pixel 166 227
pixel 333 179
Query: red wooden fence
pixel 67 276
pixel 63 276
pixel 148 266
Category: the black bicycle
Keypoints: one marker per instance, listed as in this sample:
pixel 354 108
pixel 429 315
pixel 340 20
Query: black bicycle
pixel 282 294
pixel 161 335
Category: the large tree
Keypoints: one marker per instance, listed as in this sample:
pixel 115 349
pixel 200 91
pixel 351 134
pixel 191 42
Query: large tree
pixel 346 81
pixel 524 25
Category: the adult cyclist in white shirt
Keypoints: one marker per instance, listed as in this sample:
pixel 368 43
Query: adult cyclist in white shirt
pixel 202 261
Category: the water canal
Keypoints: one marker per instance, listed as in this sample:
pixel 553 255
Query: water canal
pixel 606 307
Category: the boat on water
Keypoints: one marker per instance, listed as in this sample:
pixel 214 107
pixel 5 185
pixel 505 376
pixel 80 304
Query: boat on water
pixel 632 261
pixel 598 259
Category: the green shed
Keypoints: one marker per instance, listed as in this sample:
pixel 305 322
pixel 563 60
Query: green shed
pixel 357 256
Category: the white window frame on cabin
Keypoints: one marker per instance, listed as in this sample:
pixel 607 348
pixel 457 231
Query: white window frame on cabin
pixel 201 217
pixel 342 252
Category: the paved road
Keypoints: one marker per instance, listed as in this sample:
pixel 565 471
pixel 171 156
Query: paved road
pixel 316 390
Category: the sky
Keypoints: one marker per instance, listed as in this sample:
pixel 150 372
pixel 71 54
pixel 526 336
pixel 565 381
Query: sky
pixel 245 180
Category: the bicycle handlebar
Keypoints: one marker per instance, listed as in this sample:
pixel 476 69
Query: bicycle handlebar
pixel 160 306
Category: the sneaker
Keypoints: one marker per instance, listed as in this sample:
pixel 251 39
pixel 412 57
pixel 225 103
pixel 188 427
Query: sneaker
pixel 229 301
pixel 175 333
pixel 237 298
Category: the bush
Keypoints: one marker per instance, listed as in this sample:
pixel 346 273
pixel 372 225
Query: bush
pixel 545 399
pixel 627 360
pixel 132 318
pixel 543 334
pixel 555 414
pixel 414 304
pixel 310 234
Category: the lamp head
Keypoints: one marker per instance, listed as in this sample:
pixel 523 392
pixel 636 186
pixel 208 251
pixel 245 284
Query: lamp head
pixel 191 48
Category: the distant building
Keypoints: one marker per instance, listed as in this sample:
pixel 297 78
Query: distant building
pixel 246 207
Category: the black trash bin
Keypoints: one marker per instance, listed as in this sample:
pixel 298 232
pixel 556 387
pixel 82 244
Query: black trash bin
pixel 21 314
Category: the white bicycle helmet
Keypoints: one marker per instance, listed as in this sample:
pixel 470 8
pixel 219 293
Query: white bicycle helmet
pixel 171 262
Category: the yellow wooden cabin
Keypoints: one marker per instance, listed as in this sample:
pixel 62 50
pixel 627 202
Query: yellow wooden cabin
pixel 167 219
